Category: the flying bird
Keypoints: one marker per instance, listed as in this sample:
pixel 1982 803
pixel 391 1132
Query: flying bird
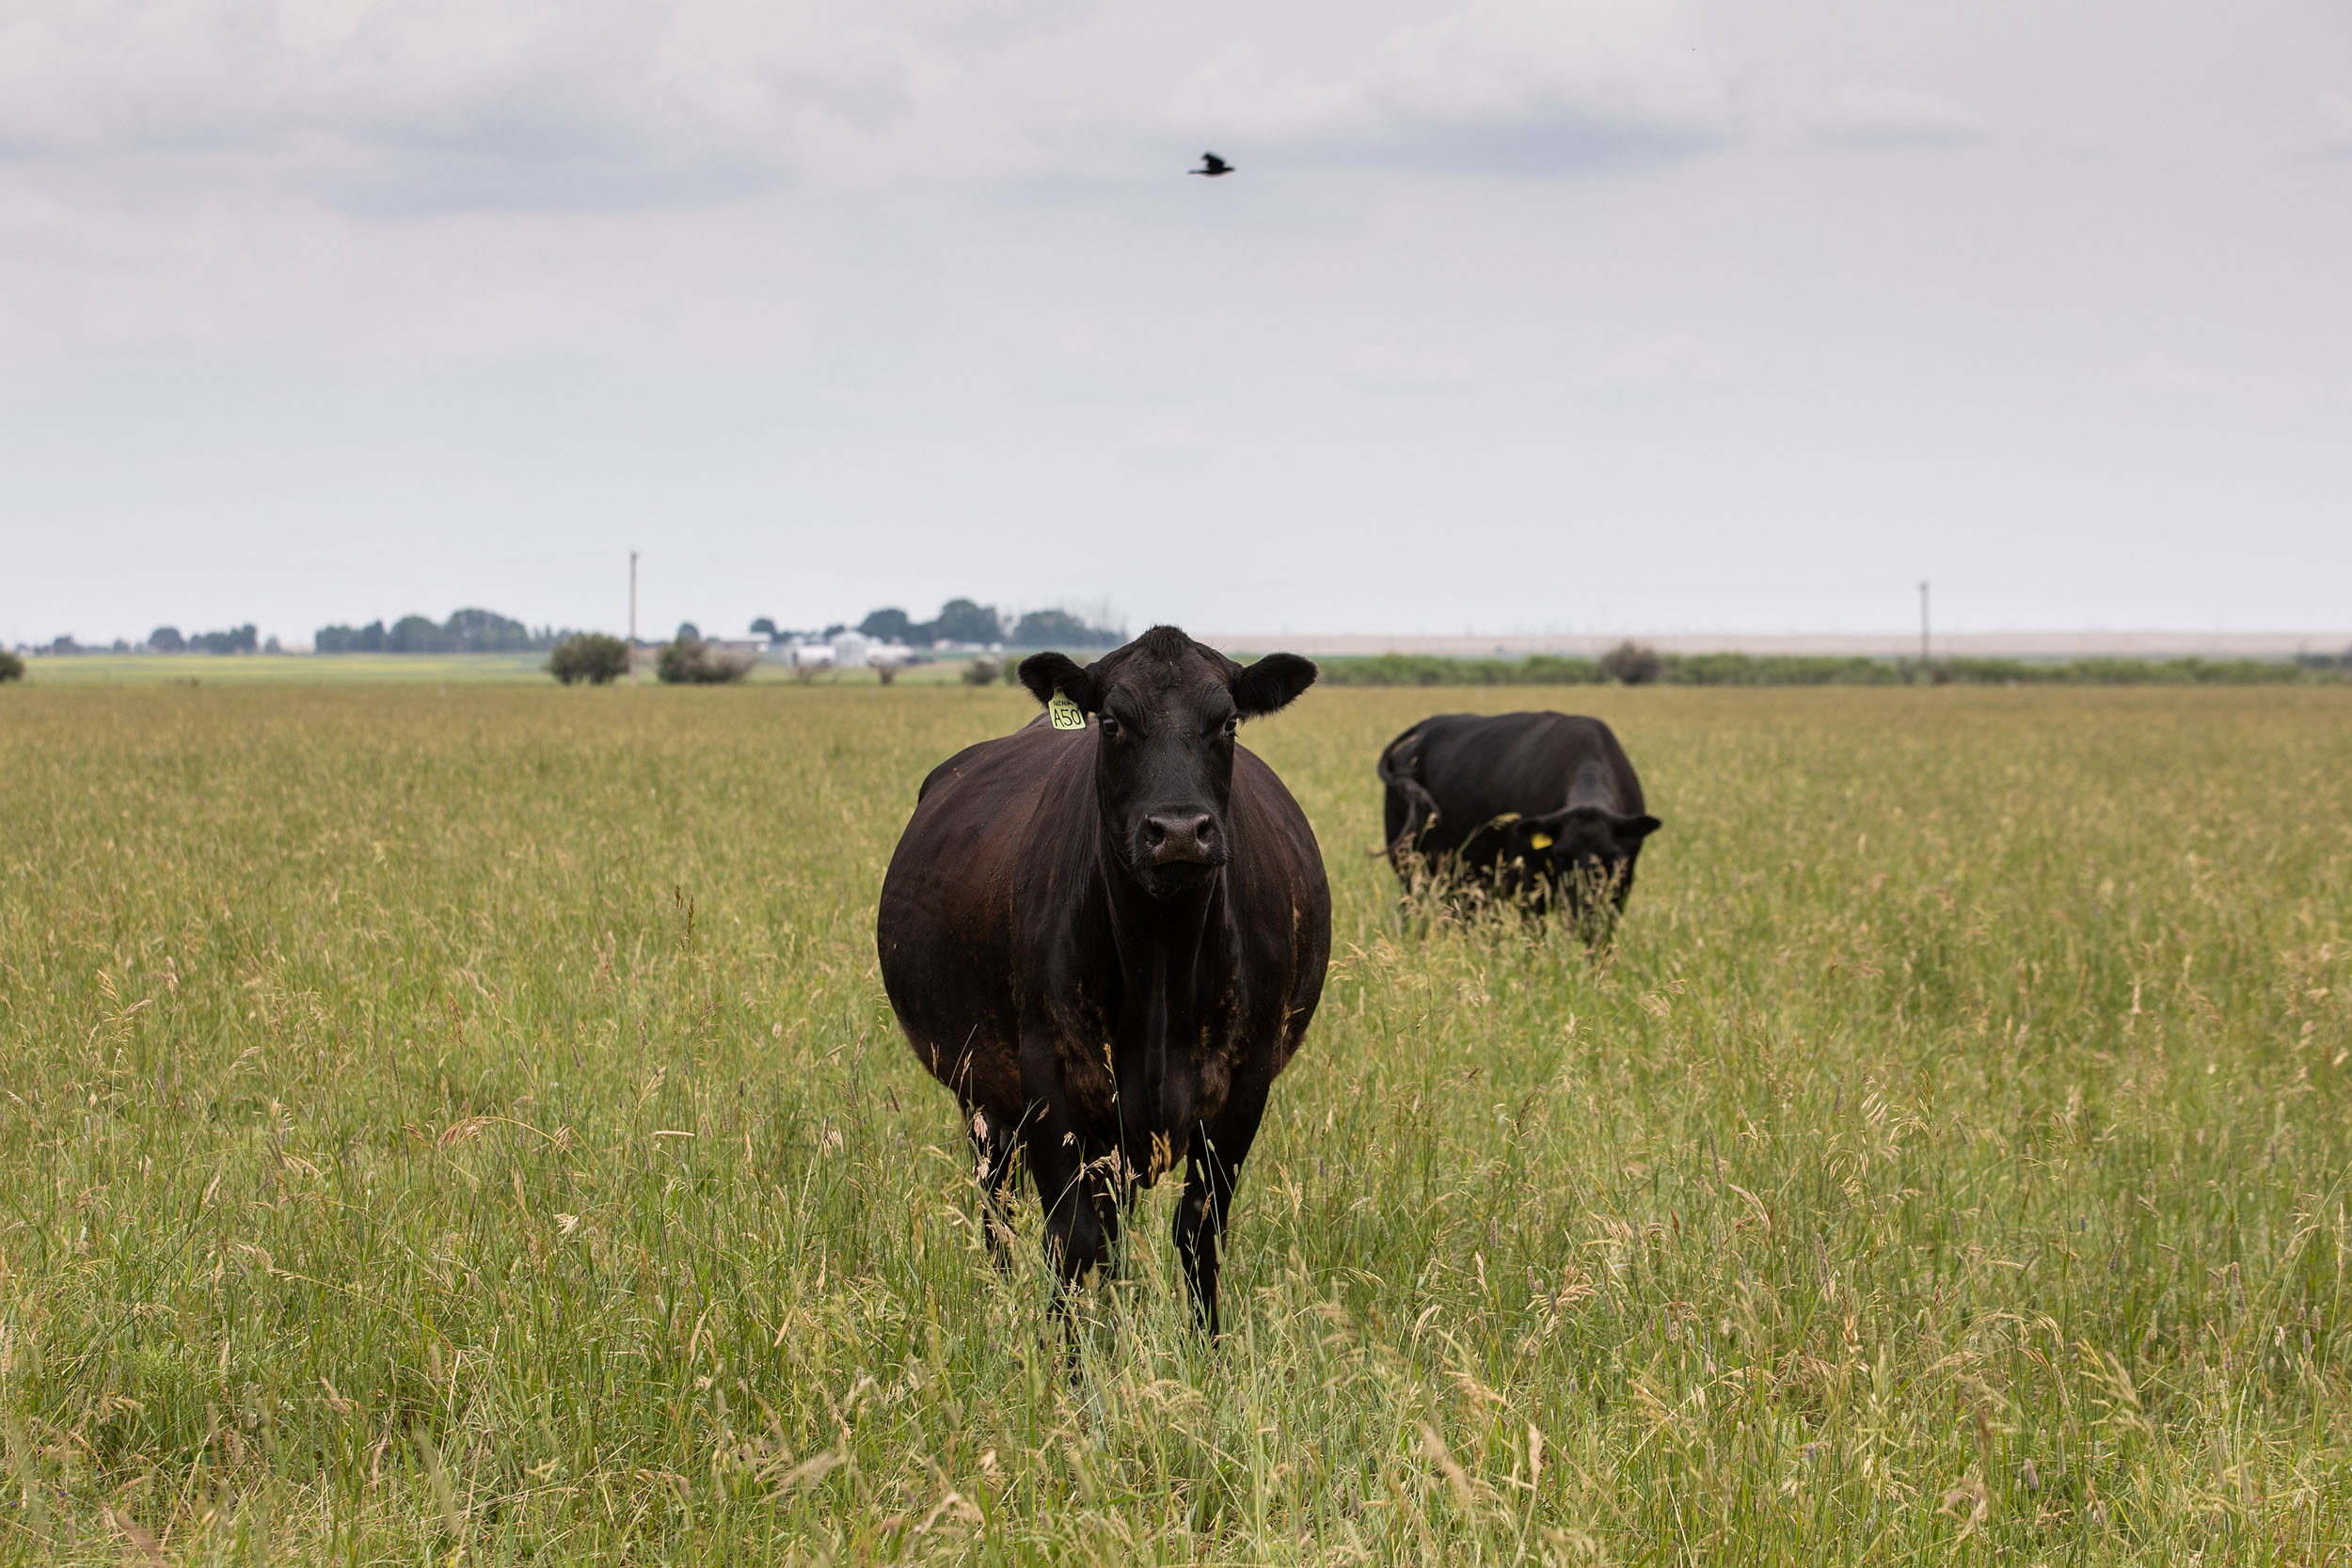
pixel 1212 166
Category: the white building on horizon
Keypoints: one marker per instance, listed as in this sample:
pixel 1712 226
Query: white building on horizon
pixel 847 650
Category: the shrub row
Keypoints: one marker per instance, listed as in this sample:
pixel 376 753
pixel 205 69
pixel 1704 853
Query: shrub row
pixel 598 659
pixel 591 656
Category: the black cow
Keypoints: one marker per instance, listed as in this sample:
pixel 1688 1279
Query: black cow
pixel 1529 807
pixel 1107 933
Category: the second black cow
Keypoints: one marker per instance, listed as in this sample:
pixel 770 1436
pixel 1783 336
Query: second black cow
pixel 1532 808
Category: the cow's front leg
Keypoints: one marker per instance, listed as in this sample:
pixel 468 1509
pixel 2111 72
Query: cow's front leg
pixel 1211 1169
pixel 1080 1224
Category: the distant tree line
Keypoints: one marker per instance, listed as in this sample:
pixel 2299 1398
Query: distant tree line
pixel 1058 628
pixel 1635 665
pixel 467 631
pixel 166 640
pixel 475 630
pixel 963 621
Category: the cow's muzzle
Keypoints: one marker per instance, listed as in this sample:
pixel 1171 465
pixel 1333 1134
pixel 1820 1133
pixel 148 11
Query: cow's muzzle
pixel 1181 838
pixel 1176 851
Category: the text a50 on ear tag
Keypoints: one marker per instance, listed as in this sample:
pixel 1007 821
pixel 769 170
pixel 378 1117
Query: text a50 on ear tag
pixel 1064 713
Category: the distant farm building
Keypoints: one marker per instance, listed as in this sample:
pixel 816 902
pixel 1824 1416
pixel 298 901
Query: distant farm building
pixel 849 650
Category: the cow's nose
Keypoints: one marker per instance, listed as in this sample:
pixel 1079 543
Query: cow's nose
pixel 1180 836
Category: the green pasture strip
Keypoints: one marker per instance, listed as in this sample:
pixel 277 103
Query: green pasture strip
pixel 1788 670
pixel 464 1123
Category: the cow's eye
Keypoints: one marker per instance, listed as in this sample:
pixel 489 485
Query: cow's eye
pixel 1109 725
pixel 1231 724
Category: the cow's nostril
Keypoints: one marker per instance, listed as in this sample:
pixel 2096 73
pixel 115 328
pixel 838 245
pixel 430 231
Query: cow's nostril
pixel 1154 831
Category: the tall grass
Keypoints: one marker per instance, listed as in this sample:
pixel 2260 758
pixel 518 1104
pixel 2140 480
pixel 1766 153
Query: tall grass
pixel 468 1124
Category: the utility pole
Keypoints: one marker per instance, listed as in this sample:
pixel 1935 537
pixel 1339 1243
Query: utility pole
pixel 632 617
pixel 1923 631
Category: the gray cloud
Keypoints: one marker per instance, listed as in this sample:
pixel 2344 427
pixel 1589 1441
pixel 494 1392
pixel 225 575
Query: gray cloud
pixel 1881 114
pixel 482 97
pixel 1573 78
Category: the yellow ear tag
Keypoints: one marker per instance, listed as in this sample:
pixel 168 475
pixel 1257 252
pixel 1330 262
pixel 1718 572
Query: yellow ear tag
pixel 1064 713
pixel 1541 841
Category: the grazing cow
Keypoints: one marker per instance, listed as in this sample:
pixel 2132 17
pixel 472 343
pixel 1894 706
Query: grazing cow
pixel 1527 807
pixel 1107 933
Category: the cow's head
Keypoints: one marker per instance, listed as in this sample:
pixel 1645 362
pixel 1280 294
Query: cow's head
pixel 1163 710
pixel 1587 851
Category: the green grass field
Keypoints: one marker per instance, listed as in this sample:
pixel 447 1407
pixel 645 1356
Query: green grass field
pixel 463 1124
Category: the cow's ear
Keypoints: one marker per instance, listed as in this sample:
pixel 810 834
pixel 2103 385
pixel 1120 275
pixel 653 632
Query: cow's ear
pixel 1269 685
pixel 1046 674
pixel 1638 827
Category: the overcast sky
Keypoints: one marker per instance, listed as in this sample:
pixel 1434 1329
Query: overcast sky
pixel 1519 315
